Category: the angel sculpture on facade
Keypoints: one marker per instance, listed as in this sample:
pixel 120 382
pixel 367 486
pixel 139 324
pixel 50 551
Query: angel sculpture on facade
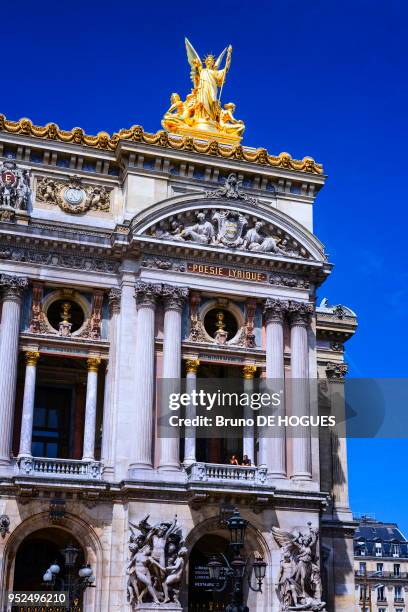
pixel 299 585
pixel 201 112
pixel 156 563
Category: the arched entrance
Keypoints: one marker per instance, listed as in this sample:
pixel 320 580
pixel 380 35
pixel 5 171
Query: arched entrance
pixel 201 594
pixel 37 552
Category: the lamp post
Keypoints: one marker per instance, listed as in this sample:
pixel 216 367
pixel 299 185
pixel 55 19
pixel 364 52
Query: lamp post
pixel 236 567
pixel 73 585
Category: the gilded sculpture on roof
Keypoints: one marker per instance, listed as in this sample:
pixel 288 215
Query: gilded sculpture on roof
pixel 201 114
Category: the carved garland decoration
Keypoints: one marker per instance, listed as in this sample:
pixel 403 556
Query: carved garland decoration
pixel 103 140
pixel 73 196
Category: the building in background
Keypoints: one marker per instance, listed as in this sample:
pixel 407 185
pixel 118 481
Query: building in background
pixel 381 566
pixel 130 258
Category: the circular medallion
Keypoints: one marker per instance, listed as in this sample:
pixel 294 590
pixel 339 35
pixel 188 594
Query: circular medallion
pixel 74 196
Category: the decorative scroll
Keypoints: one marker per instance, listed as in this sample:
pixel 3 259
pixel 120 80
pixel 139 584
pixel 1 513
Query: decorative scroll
pixel 156 565
pixel 162 139
pixel 299 582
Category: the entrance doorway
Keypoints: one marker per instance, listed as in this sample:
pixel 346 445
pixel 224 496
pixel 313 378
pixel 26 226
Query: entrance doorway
pixel 201 594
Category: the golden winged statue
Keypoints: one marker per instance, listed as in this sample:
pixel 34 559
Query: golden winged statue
pixel 201 115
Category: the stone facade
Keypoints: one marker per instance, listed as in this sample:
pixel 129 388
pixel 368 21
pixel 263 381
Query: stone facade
pixel 115 257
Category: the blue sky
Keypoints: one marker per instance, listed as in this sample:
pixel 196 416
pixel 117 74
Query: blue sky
pixel 325 79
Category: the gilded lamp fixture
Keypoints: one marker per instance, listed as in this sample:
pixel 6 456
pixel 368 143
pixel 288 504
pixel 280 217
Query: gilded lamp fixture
pixel 201 114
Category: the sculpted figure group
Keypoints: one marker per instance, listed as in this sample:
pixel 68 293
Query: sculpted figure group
pixel 299 583
pixel 157 560
pixel 14 186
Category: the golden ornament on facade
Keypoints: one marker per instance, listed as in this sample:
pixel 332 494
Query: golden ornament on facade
pixel 93 364
pixel 201 114
pixel 249 371
pixel 162 139
pixel 31 357
pixel 192 366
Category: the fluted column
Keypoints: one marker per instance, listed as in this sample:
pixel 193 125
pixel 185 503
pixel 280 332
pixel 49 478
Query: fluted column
pixel 248 372
pixel 273 449
pixel 190 432
pixel 300 314
pixel 13 287
pixel 146 296
pixel 108 424
pixel 174 298
pixel 93 364
pixel 26 433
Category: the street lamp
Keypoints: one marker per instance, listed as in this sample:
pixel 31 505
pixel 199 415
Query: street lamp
pixel 236 567
pixel 69 583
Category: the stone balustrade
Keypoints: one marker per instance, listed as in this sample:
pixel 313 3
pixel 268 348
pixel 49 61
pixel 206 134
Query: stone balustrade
pixel 219 473
pixel 59 468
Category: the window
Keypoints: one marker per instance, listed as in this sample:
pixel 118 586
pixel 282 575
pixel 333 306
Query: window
pixel 382 610
pixel 363 567
pixel 395 550
pixel 51 422
pixel 378 549
pixel 380 594
pixel 396 569
pixel 380 568
pixel 398 593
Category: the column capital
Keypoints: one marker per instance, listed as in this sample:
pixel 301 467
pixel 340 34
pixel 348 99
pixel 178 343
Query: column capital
pixel 174 297
pixel 31 357
pixel 192 366
pixel 93 364
pixel 114 297
pixel 336 371
pixel 147 293
pixel 275 310
pixel 300 313
pixel 249 371
pixel 13 286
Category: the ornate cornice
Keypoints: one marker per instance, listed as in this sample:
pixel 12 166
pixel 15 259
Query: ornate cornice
pixel 174 297
pixel 147 293
pixel 300 313
pixel 275 310
pixel 105 141
pixel 13 286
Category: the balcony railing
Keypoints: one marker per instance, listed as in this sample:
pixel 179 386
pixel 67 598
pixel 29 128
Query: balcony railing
pixel 218 473
pixel 373 574
pixel 59 468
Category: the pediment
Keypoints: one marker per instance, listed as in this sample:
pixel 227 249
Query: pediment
pixel 243 225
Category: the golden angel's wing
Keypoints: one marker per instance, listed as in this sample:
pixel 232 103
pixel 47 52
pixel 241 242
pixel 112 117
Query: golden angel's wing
pixel 220 58
pixel 192 54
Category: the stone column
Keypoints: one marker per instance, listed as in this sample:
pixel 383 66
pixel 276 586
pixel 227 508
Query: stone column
pixel 300 314
pixel 26 434
pixel 13 287
pixel 108 424
pixel 174 298
pixel 93 364
pixel 190 432
pixel 146 296
pixel 275 451
pixel 248 372
pixel 335 374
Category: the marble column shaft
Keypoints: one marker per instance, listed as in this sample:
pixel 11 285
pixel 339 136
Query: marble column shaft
pixel 248 372
pixel 190 432
pixel 27 417
pixel 146 296
pixel 174 297
pixel 299 319
pixel 13 287
pixel 90 409
pixel 274 448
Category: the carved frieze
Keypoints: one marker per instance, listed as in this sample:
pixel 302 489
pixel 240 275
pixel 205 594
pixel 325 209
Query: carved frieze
pixel 232 189
pixel 288 280
pixel 163 264
pixel 336 371
pixel 73 196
